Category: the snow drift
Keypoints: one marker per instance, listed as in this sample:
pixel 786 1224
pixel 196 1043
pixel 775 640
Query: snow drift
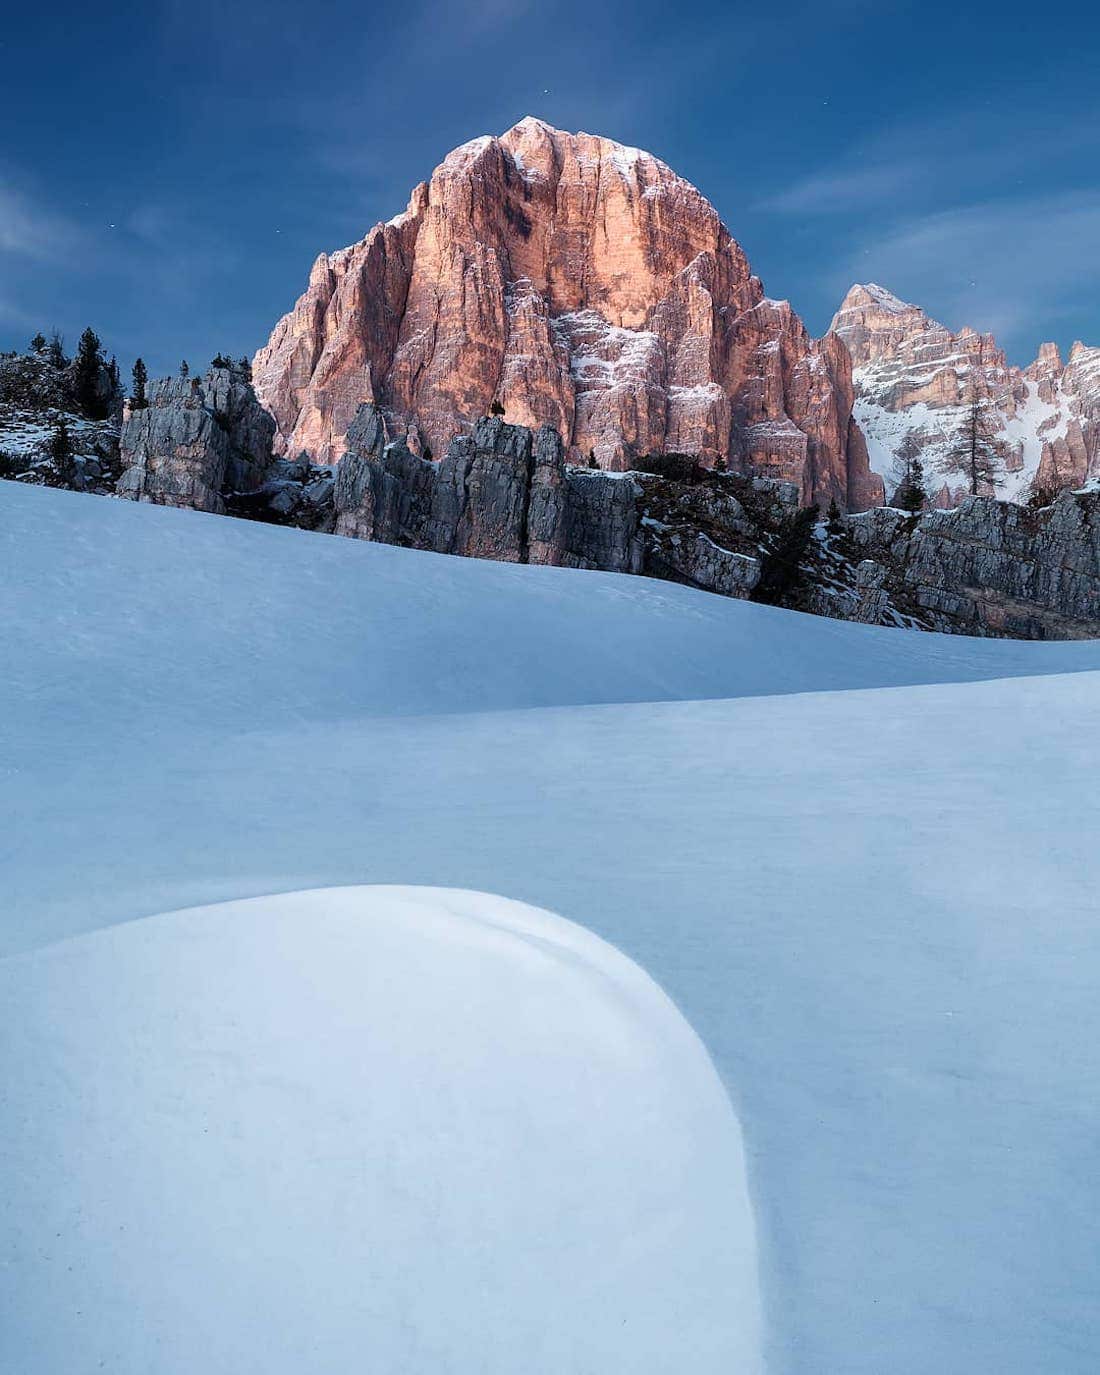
pixel 387 1129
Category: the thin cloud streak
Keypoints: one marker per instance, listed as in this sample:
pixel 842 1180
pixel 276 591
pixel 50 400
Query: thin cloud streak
pixel 28 229
pixel 840 192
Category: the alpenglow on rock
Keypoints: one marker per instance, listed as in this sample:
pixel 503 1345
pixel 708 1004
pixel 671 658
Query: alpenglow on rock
pixel 197 440
pixel 582 285
pixel 913 376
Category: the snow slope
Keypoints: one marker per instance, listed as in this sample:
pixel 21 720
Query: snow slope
pixel 146 620
pixel 876 905
pixel 387 1129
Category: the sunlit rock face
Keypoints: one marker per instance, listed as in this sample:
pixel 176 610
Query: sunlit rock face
pixel 581 284
pixel 914 376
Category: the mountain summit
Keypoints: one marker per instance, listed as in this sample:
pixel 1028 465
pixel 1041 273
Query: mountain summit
pixel 576 282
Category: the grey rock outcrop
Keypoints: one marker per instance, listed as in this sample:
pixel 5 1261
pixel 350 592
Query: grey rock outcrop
pixel 382 491
pixel 294 492
pixel 708 565
pixel 482 493
pixel 548 502
pixel 197 441
pixel 873 601
pixel 499 493
pixel 992 568
pixel 503 492
pixel 603 524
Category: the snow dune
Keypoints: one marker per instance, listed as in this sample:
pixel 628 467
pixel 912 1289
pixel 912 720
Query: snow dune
pixel 387 1129
pixel 876 905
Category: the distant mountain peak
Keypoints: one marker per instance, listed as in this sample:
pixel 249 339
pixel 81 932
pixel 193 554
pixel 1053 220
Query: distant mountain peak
pixel 870 293
pixel 915 377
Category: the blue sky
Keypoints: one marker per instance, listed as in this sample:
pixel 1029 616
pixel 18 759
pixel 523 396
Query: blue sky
pixel 169 171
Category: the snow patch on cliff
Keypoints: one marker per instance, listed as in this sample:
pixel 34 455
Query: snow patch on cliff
pixel 1023 435
pixel 602 355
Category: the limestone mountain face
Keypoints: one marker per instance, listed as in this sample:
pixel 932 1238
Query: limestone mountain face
pixel 914 376
pixel 582 285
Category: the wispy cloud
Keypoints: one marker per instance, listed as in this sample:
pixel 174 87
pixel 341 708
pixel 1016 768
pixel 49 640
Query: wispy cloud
pixel 28 229
pixel 843 190
pixel 945 210
pixel 960 157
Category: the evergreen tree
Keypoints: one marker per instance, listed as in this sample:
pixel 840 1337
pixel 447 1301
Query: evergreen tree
pixel 912 495
pixel 138 400
pixel 496 408
pixel 428 452
pixel 592 459
pixel 38 343
pixel 245 367
pixel 1040 497
pixel 221 361
pixel 974 453
pixel 834 518
pixel 61 451
pixel 902 467
pixel 184 369
pixel 87 378
pixel 55 350
pixel 782 566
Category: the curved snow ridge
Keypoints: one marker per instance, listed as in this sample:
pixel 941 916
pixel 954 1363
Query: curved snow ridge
pixel 443 1128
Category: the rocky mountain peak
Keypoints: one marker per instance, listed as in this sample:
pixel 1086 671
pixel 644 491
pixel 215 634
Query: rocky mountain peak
pixel 579 283
pixel 874 323
pixel 1048 362
pixel 915 377
pixel 871 296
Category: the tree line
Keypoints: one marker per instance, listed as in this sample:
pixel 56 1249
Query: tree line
pixel 94 378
